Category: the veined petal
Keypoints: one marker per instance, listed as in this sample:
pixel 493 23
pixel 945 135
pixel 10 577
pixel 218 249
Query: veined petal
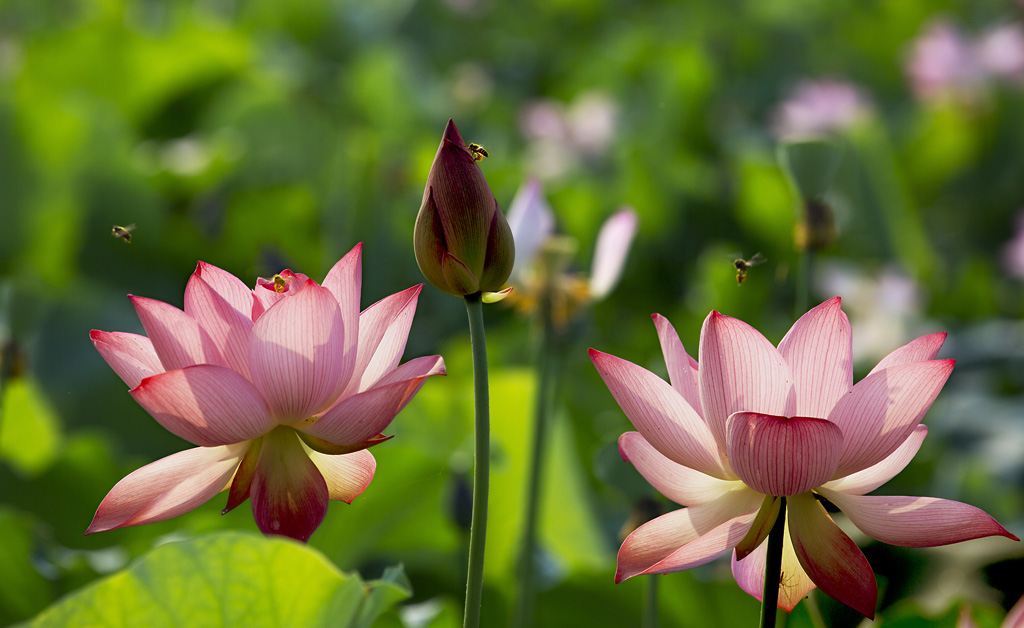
pixel 613 242
pixel 226 327
pixel 680 365
pixel 230 288
pixel 174 334
pixel 661 415
pixel 268 292
pixel 882 410
pixel 688 537
pixel 782 456
pixel 168 487
pixel 531 221
pixel 345 282
pixel 289 495
pixel 130 355
pixel 682 485
pixel 347 475
pixel 794 583
pixel 829 557
pixel 383 332
pixel 819 350
pixel 740 371
pixel 878 474
pixel 916 521
pixel 297 354
pixel 920 350
pixel 205 404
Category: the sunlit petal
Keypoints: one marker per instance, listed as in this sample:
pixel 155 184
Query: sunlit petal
pixel 227 328
pixel 383 331
pixel 681 371
pixel 878 474
pixel 682 485
pixel 819 350
pixel 345 281
pixel 130 355
pixel 174 334
pixel 920 350
pixel 794 583
pixel 347 475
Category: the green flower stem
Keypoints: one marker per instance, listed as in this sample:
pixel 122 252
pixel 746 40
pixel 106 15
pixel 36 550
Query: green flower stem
pixel 811 604
pixel 546 376
pixel 773 570
pixel 481 466
pixel 650 616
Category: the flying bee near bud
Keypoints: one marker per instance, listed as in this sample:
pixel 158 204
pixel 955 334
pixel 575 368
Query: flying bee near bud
pixel 743 265
pixel 124 233
pixel 478 151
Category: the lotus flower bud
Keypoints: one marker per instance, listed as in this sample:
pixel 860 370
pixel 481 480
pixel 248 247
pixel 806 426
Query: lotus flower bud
pixel 463 243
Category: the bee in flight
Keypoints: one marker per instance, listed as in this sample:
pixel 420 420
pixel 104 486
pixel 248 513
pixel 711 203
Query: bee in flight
pixel 478 151
pixel 124 233
pixel 743 265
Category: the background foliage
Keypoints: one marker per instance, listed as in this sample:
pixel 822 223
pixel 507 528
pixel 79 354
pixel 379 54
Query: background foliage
pixel 263 135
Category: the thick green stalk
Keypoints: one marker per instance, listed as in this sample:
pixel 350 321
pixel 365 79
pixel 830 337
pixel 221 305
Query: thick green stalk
pixel 650 616
pixel 773 570
pixel 546 375
pixel 481 465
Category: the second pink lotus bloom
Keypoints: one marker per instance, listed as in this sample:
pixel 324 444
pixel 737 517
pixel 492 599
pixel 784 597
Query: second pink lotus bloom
pixel 282 387
pixel 751 420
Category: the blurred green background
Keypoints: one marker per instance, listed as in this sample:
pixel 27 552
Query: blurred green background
pixel 261 135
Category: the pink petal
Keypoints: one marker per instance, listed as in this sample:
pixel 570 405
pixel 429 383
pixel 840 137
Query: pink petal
pixel 383 331
pixel 819 350
pixel 920 350
pixel 610 252
pixel 345 281
pixel 916 521
pixel 297 354
pixel 681 484
pixel 794 583
pixel 680 365
pixel 206 404
pixel 168 487
pixel 227 329
pixel 779 456
pixel 688 537
pixel 227 286
pixel 740 371
pixel 174 334
pixel 882 410
pixel 878 474
pixel 362 416
pixel 267 292
pixel 347 475
pixel 829 557
pixel 532 222
pixel 423 366
pixel 289 495
pixel 660 414
pixel 1015 618
pixel 130 355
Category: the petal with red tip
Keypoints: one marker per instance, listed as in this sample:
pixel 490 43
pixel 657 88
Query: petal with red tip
pixel 345 281
pixel 829 557
pixel 174 334
pixel 916 521
pixel 682 485
pixel 347 475
pixel 227 329
pixel 920 350
pixel 680 369
pixel 661 414
pixel 168 487
pixel 819 350
pixel 876 475
pixel 297 354
pixel 782 456
pixel 288 494
pixel 130 355
pixel 236 294
pixel 383 332
pixel 794 583
pixel 206 404
pixel 740 371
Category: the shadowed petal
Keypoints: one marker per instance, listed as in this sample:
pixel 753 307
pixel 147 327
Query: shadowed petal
pixel 288 494
pixel 782 456
pixel 531 221
pixel 226 327
pixel 740 371
pixel 174 334
pixel 829 557
pixel 383 332
pixel 876 475
pixel 920 350
pixel 794 583
pixel 205 404
pixel 297 354
pixel 345 282
pixel 882 410
pixel 347 475
pixel 916 521
pixel 660 414
pixel 168 487
pixel 819 350
pixel 610 252
pixel 680 365
pixel 681 484
pixel 130 355
pixel 688 537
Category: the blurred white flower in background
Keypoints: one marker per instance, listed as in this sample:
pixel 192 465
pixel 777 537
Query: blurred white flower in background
pixel 1013 251
pixel 819 108
pixel 563 136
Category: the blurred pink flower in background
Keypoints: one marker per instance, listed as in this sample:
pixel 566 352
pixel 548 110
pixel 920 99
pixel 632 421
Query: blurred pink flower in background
pixel 1013 251
pixel 562 136
pixel 819 108
pixel 283 387
pixel 751 420
pixel 1013 619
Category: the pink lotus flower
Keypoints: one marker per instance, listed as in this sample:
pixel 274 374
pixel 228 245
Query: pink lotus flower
pixel 282 388
pixel 751 421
